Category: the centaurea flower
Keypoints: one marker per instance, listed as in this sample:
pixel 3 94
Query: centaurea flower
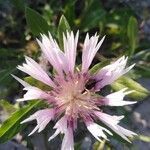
pixel 70 96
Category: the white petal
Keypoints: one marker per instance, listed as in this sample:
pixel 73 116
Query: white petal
pixel 35 93
pixel 116 98
pixel 70 47
pixel 68 142
pixel 110 73
pixel 32 92
pixel 43 117
pixel 25 84
pixel 34 69
pixel 34 130
pixel 53 54
pixel 112 122
pixel 32 117
pixel 61 125
pixel 54 135
pixel 97 131
pixel 90 48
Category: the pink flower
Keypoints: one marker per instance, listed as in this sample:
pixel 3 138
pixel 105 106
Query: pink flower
pixel 70 97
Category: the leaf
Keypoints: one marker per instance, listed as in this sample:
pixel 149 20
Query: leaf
pixel 98 66
pixel 36 22
pixel 99 145
pixel 142 55
pixel 62 28
pixel 143 70
pixel 124 82
pixel 132 33
pixel 12 125
pixel 19 4
pixel 6 106
pixel 92 15
pixel 69 11
pixel 144 138
pixel 37 83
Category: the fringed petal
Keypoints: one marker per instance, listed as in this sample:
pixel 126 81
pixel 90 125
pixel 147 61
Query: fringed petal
pixel 70 48
pixel 97 131
pixel 34 69
pixel 112 122
pixel 43 117
pixel 90 48
pixel 110 73
pixel 116 98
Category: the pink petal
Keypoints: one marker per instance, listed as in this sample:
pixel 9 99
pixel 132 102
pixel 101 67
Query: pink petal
pixel 116 98
pixel 110 73
pixel 43 117
pixel 61 127
pixel 54 55
pixel 70 47
pixel 90 48
pixel 32 92
pixel 68 142
pixel 34 69
pixel 35 93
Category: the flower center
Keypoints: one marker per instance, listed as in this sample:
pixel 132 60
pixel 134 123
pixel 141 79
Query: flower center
pixel 73 98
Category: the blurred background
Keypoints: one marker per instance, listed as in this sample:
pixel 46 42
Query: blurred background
pixel 126 24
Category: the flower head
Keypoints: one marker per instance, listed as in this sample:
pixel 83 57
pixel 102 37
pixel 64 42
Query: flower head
pixel 72 96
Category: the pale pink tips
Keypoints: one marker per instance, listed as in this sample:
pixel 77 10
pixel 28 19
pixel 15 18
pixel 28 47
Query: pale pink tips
pixel 90 47
pixel 43 117
pixel 34 69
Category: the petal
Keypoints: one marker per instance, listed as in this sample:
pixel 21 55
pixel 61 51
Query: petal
pixel 70 47
pixel 90 48
pixel 61 127
pixel 112 122
pixel 116 98
pixel 36 93
pixel 43 117
pixel 54 135
pixel 34 130
pixel 25 84
pixel 110 73
pixel 97 131
pixel 33 92
pixel 34 69
pixel 53 54
pixel 68 142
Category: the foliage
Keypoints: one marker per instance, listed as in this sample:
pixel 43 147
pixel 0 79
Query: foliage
pixel 12 125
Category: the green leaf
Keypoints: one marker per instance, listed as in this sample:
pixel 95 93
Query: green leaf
pixel 36 22
pixel 143 70
pixel 62 28
pixel 37 83
pixel 19 4
pixel 99 145
pixel 98 66
pixel 12 125
pixel 124 82
pixel 132 33
pixel 144 138
pixel 7 107
pixel 92 15
pixel 69 11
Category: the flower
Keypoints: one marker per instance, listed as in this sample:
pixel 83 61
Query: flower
pixel 74 91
